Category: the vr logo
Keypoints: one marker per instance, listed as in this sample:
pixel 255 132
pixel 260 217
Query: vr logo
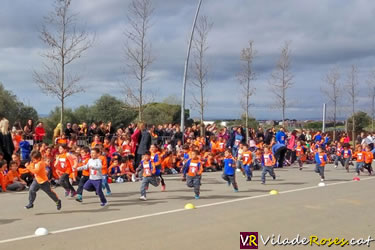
pixel 248 240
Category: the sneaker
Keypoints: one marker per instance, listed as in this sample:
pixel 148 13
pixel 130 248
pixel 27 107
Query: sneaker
pixel 109 193
pixel 248 179
pixel 335 166
pixel 67 193
pixel 58 205
pixel 236 190
pixel 196 197
pixel 79 198
pixel 300 168
pixel 143 198
pixel 162 188
pixel 133 178
pixel 72 194
pixel 263 182
pixel 322 180
pixel 29 206
pixel 228 182
pixel 104 204
pixel 274 177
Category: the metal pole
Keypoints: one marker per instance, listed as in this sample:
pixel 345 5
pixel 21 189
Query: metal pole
pixel 324 118
pixel 185 72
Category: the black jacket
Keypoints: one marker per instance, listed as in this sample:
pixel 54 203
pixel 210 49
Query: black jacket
pixel 145 142
pixel 6 146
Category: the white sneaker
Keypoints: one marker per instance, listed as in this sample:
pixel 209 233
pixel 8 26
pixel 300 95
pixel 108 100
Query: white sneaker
pixel 143 198
pixel 335 166
pixel 133 178
pixel 322 180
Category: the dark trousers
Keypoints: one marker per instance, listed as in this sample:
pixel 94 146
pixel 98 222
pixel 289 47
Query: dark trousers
pixel 319 170
pixel 231 179
pixel 267 170
pixel 138 159
pixel 280 155
pixel 46 187
pixel 195 182
pixel 65 183
pixel 95 185
pixel 81 183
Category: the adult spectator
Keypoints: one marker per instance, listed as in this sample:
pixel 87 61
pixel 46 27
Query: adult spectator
pixel 75 129
pixel 268 136
pixel 39 133
pixel 317 137
pixel 29 128
pixel 302 136
pixel 144 144
pixel 260 134
pixel 93 130
pixel 68 130
pixel 292 141
pixel 178 136
pixel 84 129
pixel 281 136
pixel 279 150
pixel 135 138
pixel 6 142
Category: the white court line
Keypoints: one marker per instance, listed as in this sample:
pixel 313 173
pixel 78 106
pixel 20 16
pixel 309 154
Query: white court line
pixel 174 211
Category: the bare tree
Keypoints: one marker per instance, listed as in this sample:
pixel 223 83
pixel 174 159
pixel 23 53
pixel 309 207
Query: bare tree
pixel 138 52
pixel 371 87
pixel 352 86
pixel 200 67
pixel 65 45
pixel 332 91
pixel 245 78
pixel 281 79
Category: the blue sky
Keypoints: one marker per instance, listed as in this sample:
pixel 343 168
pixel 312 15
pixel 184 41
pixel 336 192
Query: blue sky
pixel 323 34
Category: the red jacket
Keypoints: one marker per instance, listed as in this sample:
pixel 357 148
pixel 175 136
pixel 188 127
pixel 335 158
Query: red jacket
pixel 39 133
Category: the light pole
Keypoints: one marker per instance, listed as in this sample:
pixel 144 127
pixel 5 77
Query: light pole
pixel 185 72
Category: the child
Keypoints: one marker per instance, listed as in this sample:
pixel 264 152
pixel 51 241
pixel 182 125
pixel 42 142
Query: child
pixel 347 156
pixel 320 159
pixel 3 179
pixel 149 176
pixel 96 142
pixel 359 156
pixel 14 181
pixel 25 149
pixel 105 185
pixel 229 173
pixel 338 157
pixel 156 160
pixel 95 180
pixel 114 170
pixel 301 154
pixel 38 169
pixel 64 169
pixel 268 162
pixel 246 161
pixel 85 157
pixel 368 159
pixel 192 171
pixel 127 169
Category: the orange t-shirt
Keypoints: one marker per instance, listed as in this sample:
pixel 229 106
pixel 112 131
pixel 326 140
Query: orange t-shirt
pixel 359 156
pixel 39 171
pixel 104 164
pixel 195 168
pixel 247 158
pixel 64 165
pixel 22 171
pixel 11 176
pixel 368 157
pixel 85 172
pixel 3 181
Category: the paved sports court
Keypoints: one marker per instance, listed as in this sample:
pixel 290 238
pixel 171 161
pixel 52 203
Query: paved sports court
pixel 344 208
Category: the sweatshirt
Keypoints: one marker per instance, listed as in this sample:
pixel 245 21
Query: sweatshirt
pixel 95 166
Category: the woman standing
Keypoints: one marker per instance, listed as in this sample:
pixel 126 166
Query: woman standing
pixel 6 142
pixel 28 129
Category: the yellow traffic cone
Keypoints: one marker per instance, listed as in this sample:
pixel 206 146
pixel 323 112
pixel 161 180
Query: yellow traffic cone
pixel 189 206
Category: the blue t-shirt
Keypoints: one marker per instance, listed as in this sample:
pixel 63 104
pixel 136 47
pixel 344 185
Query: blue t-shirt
pixel 229 166
pixel 280 137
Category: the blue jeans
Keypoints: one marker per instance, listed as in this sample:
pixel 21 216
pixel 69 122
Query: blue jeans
pixel 105 183
pixel 320 170
pixel 267 170
pixel 248 172
pixel 359 166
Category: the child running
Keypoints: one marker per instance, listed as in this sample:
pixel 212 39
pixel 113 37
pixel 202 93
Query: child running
pixel 85 157
pixel 368 159
pixel 38 168
pixel 155 158
pixel 247 161
pixel 229 173
pixel 192 171
pixel 347 156
pixel 320 159
pixel 268 162
pixel 149 176
pixel 359 156
pixel 301 154
pixel 95 180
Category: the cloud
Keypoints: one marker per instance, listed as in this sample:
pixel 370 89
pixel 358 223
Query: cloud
pixel 323 34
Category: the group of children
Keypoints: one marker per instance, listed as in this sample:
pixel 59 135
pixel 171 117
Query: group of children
pixel 93 168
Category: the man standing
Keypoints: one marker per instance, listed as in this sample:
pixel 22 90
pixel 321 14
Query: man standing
pixel 281 136
pixel 144 144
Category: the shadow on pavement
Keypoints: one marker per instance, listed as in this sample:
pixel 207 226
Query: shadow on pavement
pixel 7 221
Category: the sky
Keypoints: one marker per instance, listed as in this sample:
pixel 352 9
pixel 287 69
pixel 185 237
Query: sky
pixel 323 34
